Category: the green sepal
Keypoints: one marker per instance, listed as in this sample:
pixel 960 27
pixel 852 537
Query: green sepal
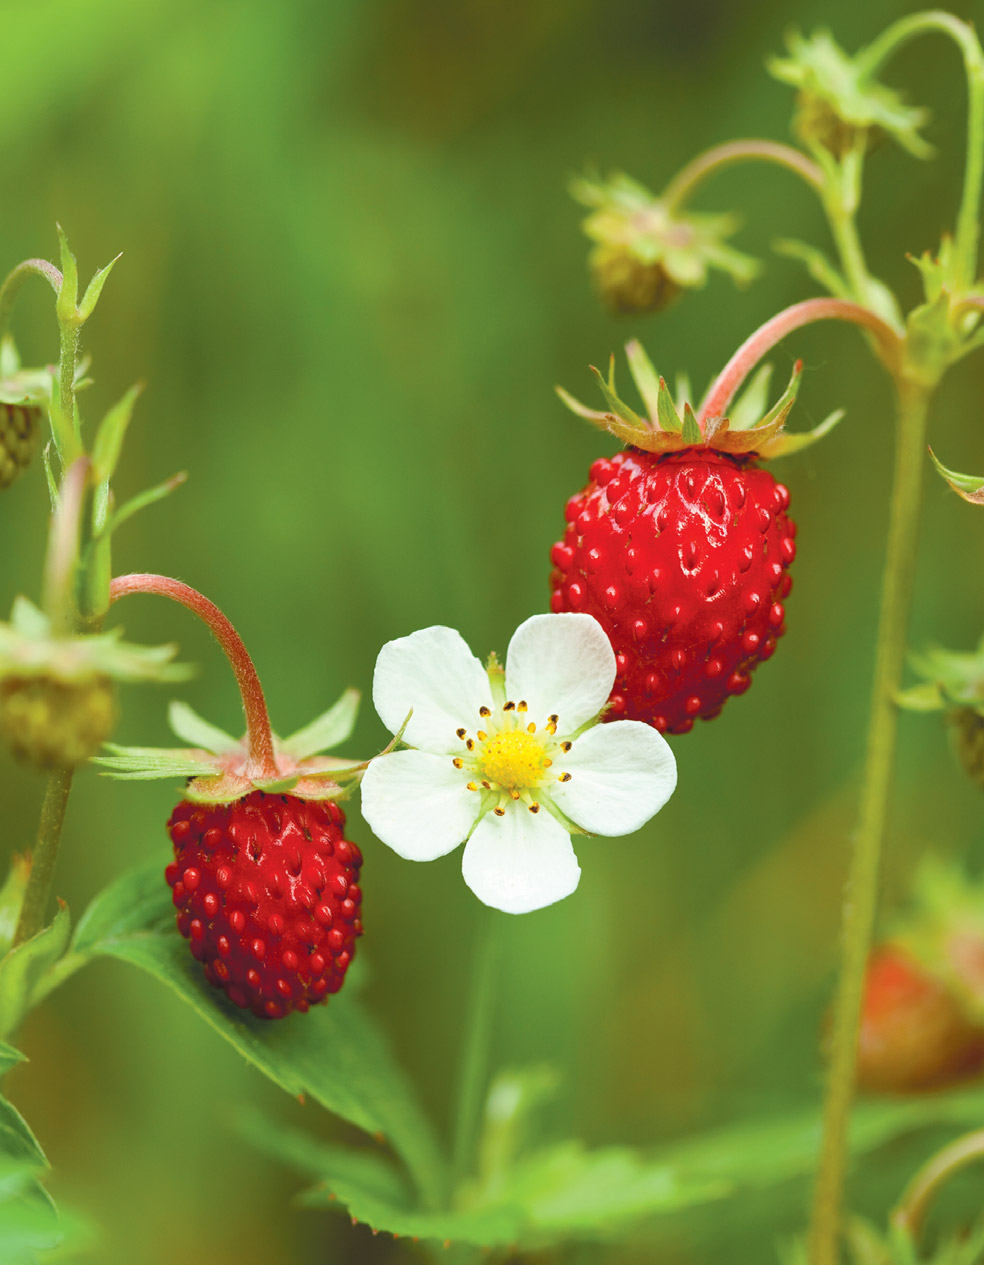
pixel 22 968
pixel 786 443
pixel 109 437
pixel 66 306
pixel 647 380
pixel 593 415
pixel 141 764
pixel 967 486
pixel 333 727
pixel 94 289
pixel 28 649
pixel 691 432
pixel 666 413
pixel 147 497
pixel 817 264
pixel 186 723
pixel 618 407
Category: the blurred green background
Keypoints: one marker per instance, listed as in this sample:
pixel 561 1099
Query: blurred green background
pixel 351 277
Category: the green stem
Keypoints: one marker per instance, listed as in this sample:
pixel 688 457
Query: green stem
pixel 841 196
pixel 16 278
pixel 685 182
pixel 38 890
pixel 862 886
pixel 920 1192
pixel 963 35
pixel 474 1069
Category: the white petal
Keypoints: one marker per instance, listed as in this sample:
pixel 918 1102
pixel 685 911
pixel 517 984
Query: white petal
pixel 418 804
pixel 561 664
pixel 621 774
pixel 433 672
pixel 520 862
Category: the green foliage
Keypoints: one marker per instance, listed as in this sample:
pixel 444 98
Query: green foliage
pixel 23 967
pixel 334 1054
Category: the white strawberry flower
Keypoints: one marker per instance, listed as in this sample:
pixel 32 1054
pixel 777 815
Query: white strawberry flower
pixel 510 761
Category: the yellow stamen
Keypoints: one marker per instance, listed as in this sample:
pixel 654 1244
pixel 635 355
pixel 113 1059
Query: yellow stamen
pixel 513 759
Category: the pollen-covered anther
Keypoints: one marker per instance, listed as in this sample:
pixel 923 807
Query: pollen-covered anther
pixel 484 713
pixel 509 707
pixel 499 812
pixel 522 705
pixel 482 736
pixel 564 777
pixel 471 786
pixel 534 807
pixel 531 727
pixel 565 746
pixel 458 762
pixel 461 732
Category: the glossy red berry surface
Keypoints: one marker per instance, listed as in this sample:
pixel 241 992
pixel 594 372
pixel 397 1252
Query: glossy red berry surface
pixel 267 894
pixel 682 558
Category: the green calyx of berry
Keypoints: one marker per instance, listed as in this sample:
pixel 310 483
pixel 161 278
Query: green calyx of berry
pixel 750 427
pixel 841 107
pixel 946 326
pixel 645 253
pixel 57 693
pixel 222 770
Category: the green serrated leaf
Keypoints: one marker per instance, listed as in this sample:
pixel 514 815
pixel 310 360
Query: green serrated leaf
pixel 334 1054
pixel 691 432
pixel 331 728
pixel 22 968
pixel 196 731
pixel 968 486
pixel 365 1171
pixel 110 435
pixel 94 289
pixel 666 413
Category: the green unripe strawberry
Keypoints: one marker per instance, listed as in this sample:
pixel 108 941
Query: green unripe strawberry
pixel 19 426
pixel 56 724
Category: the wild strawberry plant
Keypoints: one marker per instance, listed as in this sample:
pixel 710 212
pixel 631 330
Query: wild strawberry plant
pixel 669 589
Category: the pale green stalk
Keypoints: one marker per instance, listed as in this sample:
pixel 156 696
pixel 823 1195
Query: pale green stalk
pixel 892 39
pixel 38 890
pixel 686 181
pixel 920 1192
pixel 862 886
pixel 473 1072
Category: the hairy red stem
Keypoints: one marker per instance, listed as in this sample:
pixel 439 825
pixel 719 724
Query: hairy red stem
pixel 254 704
pixel 734 373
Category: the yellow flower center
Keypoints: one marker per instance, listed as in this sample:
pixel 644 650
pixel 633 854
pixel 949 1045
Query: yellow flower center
pixel 514 759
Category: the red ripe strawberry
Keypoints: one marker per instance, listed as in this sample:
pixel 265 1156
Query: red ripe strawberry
pixel 682 558
pixel 680 547
pixel 914 1032
pixel 267 895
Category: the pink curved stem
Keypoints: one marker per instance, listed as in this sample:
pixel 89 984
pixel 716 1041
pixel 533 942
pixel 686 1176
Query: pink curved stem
pixel 254 704
pixel 734 373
